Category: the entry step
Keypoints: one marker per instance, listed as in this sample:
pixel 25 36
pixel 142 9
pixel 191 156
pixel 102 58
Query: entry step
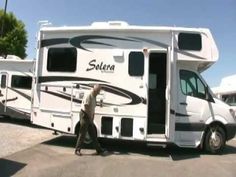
pixel 156 138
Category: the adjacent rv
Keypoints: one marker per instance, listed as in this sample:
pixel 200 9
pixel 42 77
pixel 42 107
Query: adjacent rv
pixel 227 91
pixel 16 87
pixel 152 87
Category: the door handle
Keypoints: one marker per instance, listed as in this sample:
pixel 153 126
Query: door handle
pixel 183 103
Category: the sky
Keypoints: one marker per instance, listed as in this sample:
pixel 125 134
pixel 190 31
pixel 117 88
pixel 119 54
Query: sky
pixel 217 15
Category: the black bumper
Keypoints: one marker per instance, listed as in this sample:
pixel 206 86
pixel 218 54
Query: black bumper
pixel 231 131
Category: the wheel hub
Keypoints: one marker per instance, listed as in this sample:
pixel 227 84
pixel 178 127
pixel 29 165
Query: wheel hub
pixel 215 140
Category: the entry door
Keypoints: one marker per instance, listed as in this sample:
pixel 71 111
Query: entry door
pixel 3 92
pixel 159 93
pixel 170 120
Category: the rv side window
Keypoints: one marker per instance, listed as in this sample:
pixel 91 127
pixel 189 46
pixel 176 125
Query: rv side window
pixel 192 85
pixel 189 41
pixel 230 99
pixel 3 81
pixel 62 59
pixel 136 64
pixel 21 82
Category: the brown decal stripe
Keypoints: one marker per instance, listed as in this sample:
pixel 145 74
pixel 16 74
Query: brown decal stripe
pixel 43 79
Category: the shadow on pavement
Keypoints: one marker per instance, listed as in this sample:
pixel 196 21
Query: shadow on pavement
pixel 17 121
pixel 64 140
pixel 115 147
pixel 229 150
pixel 9 168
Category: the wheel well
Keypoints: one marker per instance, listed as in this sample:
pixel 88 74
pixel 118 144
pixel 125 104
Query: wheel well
pixel 217 123
pixel 78 126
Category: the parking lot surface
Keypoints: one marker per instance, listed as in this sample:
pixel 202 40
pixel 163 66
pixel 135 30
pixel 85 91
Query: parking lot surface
pixel 17 134
pixel 54 156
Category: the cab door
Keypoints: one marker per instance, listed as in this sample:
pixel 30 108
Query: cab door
pixel 192 107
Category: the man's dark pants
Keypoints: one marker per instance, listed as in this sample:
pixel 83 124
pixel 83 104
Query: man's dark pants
pixel 86 125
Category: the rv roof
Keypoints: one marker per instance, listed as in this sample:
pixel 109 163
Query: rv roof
pixel 16 61
pixel 10 57
pixel 227 85
pixel 228 81
pixel 117 25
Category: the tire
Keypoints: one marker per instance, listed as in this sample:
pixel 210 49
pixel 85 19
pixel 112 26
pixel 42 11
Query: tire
pixel 215 140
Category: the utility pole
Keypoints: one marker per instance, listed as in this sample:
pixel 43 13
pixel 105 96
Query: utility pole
pixel 3 18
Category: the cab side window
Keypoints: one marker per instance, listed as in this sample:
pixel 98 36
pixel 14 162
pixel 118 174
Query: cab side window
pixel 230 99
pixel 192 85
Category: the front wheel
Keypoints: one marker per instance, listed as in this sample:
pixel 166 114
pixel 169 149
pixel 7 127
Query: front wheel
pixel 215 140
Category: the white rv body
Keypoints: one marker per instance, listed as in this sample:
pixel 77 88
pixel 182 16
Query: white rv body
pixel 16 87
pixel 146 74
pixel 227 91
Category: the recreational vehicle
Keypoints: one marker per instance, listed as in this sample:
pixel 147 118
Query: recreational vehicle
pixel 152 87
pixel 227 91
pixel 15 87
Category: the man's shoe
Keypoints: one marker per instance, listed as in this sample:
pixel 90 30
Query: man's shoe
pixel 77 152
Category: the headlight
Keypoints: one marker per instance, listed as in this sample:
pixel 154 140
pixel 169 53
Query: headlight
pixel 232 112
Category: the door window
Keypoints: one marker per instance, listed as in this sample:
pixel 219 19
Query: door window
pixel 192 85
pixel 3 81
pixel 136 64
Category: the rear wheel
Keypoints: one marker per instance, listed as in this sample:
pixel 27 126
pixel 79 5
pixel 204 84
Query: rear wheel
pixel 215 139
pixel 88 139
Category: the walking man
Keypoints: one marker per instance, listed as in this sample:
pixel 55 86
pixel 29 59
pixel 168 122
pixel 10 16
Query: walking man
pixel 86 121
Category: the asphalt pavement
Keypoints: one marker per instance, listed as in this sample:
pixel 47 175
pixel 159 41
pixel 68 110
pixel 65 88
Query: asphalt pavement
pixel 19 134
pixel 53 156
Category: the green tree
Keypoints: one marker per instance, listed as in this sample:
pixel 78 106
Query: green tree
pixel 13 38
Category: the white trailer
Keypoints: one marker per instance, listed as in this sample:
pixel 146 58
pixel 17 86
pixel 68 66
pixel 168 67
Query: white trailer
pixel 152 87
pixel 227 91
pixel 16 87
